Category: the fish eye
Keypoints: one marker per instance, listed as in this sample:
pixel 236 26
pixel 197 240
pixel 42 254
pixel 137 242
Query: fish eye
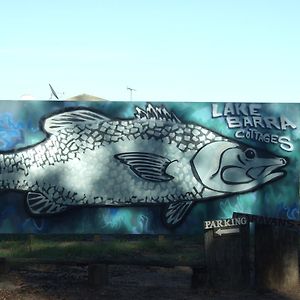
pixel 250 153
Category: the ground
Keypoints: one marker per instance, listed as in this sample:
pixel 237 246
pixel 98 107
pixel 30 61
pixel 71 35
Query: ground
pixel 126 282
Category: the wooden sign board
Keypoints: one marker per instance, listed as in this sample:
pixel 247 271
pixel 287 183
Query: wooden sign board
pixel 224 227
pixel 226 244
pixel 263 220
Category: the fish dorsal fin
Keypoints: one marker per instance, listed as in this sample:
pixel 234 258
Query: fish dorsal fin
pixel 148 166
pixel 39 204
pixel 69 119
pixel 156 112
pixel 175 213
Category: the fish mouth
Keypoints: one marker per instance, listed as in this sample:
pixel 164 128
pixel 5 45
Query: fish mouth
pixel 269 172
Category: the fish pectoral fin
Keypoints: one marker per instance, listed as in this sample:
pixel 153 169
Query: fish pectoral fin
pixel 69 119
pixel 148 166
pixel 175 213
pixel 39 204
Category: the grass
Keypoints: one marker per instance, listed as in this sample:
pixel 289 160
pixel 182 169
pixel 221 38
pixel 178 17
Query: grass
pixel 185 250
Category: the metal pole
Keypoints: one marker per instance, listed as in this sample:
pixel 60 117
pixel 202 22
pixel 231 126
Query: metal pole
pixel 130 90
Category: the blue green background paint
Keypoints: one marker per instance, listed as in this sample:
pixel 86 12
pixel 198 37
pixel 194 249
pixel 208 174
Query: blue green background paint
pixel 19 127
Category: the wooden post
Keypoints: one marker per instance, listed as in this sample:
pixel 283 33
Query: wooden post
pixel 227 254
pixel 97 238
pixel 198 278
pixel 4 267
pixel 98 275
pixel 161 238
pixel 276 258
pixel 29 242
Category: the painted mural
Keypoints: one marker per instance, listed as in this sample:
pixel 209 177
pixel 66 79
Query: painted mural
pixel 144 168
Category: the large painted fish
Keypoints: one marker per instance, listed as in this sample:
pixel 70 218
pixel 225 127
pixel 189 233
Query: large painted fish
pixel 88 159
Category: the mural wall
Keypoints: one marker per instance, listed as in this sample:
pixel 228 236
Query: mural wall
pixel 142 168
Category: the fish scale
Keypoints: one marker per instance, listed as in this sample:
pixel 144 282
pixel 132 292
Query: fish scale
pixel 175 134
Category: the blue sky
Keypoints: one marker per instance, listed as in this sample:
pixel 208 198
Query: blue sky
pixel 188 50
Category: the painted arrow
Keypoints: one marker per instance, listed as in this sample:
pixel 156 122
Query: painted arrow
pixel 227 231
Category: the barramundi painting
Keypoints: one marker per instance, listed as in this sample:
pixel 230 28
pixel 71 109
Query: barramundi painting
pixel 90 159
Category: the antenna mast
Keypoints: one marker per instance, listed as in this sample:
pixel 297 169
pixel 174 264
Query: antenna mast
pixel 130 91
pixel 53 93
